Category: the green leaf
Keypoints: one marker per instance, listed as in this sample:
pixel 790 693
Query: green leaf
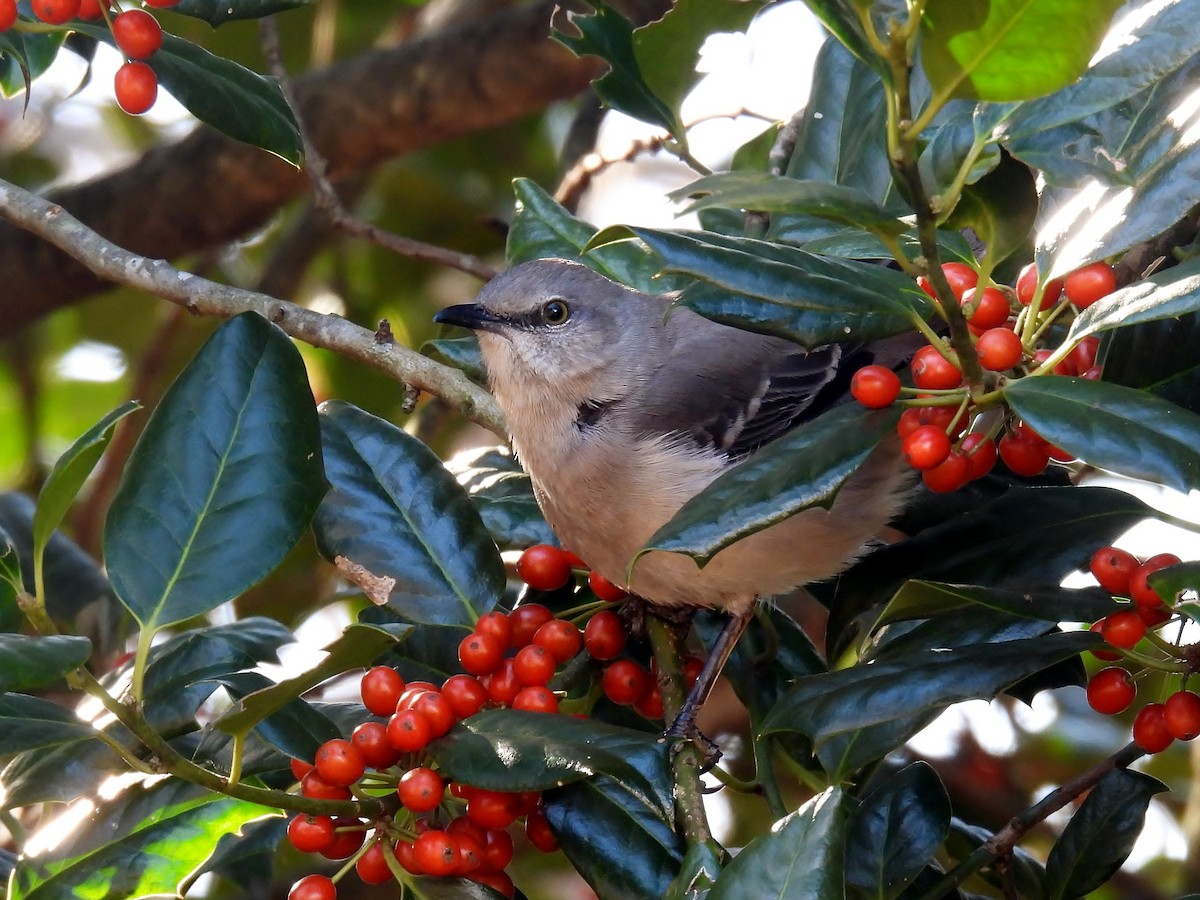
pixel 145 842
pixel 462 353
pixel 543 229
pixel 68 475
pixel 1116 428
pixel 698 872
pixel 503 494
pixel 512 750
pixel 667 50
pixel 895 831
pixel 997 50
pixel 919 599
pixel 609 35
pixel 24 56
pixel 60 771
pixel 35 662
pixel 223 481
pixel 202 653
pixel 397 512
pixel 764 192
pixel 242 104
pixel 1156 357
pixel 293 727
pixel 1171 581
pixel 843 21
pixel 1023 872
pixel 31 723
pixel 359 645
pixel 800 859
pixel 1100 834
pixel 1000 208
pixel 804 468
pixel 218 12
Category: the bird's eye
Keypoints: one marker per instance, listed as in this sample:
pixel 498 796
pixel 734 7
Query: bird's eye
pixel 555 312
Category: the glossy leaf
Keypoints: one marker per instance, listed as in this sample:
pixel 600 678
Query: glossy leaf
pixel 764 192
pixel 437 888
pixel 804 468
pixel 144 842
pixel 295 728
pixel 31 723
pixel 217 12
pixel 1000 208
pixel 396 511
pixel 543 229
pixel 1156 357
pixel 919 599
pixel 223 481
pixel 801 857
pixel 1101 834
pixel 58 772
pixel 24 56
pixel 512 750
pixel 1023 872
pixel 427 653
pixel 1112 427
pixel 202 653
pixel 895 830
pixel 68 475
pixel 34 662
pixel 998 50
pixel 503 494
pixel 242 104
pixel 698 872
pixel 462 353
pixel 1171 581
pixel 358 646
pixel 843 21
pixel 963 135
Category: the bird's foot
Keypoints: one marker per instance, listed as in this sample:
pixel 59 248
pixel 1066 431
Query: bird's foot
pixel 683 732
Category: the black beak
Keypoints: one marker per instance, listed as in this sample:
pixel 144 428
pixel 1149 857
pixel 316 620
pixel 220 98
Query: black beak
pixel 470 315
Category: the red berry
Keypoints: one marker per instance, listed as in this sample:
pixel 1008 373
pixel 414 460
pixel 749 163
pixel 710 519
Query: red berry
pixel 409 731
pixel 1154 617
pixel 492 809
pixel 604 635
pixel 380 689
pixel 604 589
pixel 421 789
pixel 1123 629
pixel 161 4
pixel 499 882
pixel 313 887
pixel 347 839
pixel 55 12
pixel 1083 357
pixel 437 711
pixel 1090 283
pixel 534 665
pixel 526 619
pixel 1111 691
pixel 650 704
pixel 960 276
pixel 372 866
pixel 136 87
pixel 1139 588
pixel 314 786
pixel 1027 284
pixel 502 685
pixel 310 834
pixel 1113 567
pixel 980 453
pixel 470 853
pixel 339 762
pixel 300 768
pixel 537 829
pixel 1150 729
pixel 926 447
pixel 544 568
pixel 8 14
pixel 625 681
pixel 405 856
pixel 465 695
pixel 480 654
pixel 948 475
pixel 985 309
pixel 371 741
pixel 1023 455
pixel 931 371
pixel 434 853
pixel 497 625
pixel 1181 715
pixel 875 386
pixel 497 849
pixel 89 10
pixel 999 349
pixel 536 698
pixel 561 638
pixel 1106 655
pixel 137 33
pixel 910 421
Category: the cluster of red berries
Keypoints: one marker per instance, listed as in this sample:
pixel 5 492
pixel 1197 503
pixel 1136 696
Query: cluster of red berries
pixel 942 432
pixel 1112 690
pixel 135 31
pixel 508 662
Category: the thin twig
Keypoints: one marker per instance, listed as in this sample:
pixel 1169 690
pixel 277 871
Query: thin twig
pixel 326 197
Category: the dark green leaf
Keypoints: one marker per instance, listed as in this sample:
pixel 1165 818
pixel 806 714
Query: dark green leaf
pixel 503 494
pixel 68 475
pixel 395 511
pixel 963 135
pixel 34 662
pixel 203 653
pixel 764 192
pixel 511 750
pixel 427 653
pixel 223 481
pixel 59 772
pixel 542 229
pixel 1112 427
pixel 698 872
pixel 244 858
pixel 801 857
pixel 30 723
pixel 998 50
pixel 1100 834
pixel 1021 870
pixel 804 468
pixel 621 845
pixel 844 756
pixel 359 645
pixel 843 21
pixel 1000 208
pixel 144 842
pixel 966 628
pixel 217 12
pixel 295 728
pixel 1157 357
pixel 462 353
pixel 1174 580
pixel 919 599
pixel 609 35
pixel 895 830
pixel 24 56
pixel 431 888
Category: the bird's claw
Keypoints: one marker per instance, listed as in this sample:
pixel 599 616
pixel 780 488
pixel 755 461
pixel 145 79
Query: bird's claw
pixel 680 733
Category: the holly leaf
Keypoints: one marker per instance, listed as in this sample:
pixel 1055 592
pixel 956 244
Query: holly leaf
pixel 218 12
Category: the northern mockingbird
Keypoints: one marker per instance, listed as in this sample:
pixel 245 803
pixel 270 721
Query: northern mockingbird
pixel 622 408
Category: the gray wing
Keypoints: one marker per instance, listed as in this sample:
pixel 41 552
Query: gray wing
pixel 734 391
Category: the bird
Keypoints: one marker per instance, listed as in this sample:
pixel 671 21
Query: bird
pixel 622 406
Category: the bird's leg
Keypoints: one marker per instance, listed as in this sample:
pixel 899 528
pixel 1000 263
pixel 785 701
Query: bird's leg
pixel 684 725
